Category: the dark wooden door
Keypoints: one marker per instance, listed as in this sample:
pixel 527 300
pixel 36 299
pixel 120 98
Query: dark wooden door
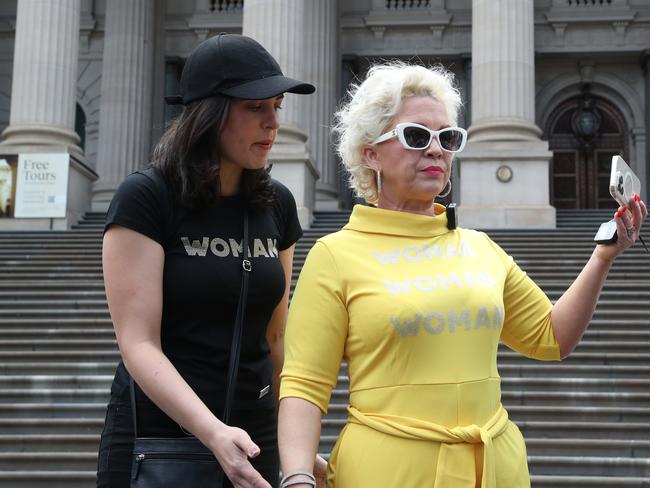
pixel 579 173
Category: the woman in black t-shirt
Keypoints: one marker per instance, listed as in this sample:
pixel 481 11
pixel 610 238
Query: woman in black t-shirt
pixel 172 268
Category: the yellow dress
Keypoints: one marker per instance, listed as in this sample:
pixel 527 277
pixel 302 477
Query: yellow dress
pixel 417 311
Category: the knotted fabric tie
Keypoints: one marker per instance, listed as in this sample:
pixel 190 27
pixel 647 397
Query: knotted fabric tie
pixel 456 465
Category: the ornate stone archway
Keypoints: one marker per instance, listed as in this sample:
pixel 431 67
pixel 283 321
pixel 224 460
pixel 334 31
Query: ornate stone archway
pixel 579 171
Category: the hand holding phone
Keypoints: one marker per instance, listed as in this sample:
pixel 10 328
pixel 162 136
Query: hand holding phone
pixel 623 186
pixel 623 183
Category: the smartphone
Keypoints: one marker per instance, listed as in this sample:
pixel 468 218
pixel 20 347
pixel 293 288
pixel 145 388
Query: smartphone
pixel 623 183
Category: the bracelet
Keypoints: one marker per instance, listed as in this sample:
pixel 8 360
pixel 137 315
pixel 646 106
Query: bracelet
pixel 287 481
pixel 298 482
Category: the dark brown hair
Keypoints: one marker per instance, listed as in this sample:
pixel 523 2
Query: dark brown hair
pixel 188 157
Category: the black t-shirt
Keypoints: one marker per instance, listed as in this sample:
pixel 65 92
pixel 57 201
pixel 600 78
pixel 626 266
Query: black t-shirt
pixel 202 280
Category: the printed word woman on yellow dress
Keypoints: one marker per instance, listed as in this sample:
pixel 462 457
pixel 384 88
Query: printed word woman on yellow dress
pixel 417 310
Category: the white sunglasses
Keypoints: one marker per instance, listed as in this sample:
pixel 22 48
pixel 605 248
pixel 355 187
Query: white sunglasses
pixel 417 137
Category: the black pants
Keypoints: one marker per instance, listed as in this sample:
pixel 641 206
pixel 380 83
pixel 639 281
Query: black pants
pixel 116 446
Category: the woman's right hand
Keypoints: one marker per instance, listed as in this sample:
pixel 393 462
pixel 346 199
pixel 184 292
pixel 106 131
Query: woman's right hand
pixel 233 447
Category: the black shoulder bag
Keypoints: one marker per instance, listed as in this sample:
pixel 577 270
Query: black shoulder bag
pixel 185 462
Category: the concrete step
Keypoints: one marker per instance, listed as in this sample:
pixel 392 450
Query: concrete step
pixel 58 356
pixel 57 238
pixel 51 294
pixel 56 333
pixel 62 268
pixel 49 479
pixel 77 410
pixel 589 466
pixel 541 481
pixel 39 276
pixel 602 358
pixel 571 275
pixel 40 261
pixel 49 443
pixel 48 461
pixel 37 426
pixel 609 448
pixel 54 322
pixel 57 313
pixel 82 245
pixel 107 367
pixel 94 381
pixel 585 430
pixel 81 303
pixel 40 286
pixel 588 346
pixel 567 369
pixel 44 395
pixel 47 344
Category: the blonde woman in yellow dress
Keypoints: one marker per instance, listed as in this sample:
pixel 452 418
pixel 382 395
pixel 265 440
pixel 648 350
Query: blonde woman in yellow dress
pixel 417 309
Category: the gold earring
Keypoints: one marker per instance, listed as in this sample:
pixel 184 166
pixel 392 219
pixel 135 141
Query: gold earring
pixel 444 193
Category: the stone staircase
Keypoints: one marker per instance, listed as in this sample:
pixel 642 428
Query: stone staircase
pixel 586 420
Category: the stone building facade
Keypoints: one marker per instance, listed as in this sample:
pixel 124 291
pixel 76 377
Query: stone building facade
pixel 552 89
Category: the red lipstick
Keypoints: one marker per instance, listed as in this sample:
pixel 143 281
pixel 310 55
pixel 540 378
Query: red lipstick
pixel 264 144
pixel 433 170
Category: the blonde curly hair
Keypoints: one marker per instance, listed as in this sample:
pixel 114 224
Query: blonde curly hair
pixel 372 105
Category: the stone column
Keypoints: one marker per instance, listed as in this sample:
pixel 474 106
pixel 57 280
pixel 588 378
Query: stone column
pixel 322 70
pixel 44 84
pixel 126 95
pixel 503 137
pixel 43 98
pixel 281 27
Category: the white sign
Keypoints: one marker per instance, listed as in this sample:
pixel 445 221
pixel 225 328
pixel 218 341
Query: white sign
pixel 42 185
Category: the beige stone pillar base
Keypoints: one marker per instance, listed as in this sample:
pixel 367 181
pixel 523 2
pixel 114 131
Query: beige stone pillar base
pixel 293 167
pixel 522 202
pixel 102 194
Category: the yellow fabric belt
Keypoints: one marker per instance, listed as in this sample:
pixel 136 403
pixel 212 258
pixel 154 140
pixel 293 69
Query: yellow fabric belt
pixel 456 465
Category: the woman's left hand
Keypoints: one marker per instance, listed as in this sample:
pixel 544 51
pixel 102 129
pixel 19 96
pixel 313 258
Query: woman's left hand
pixel 320 472
pixel 628 219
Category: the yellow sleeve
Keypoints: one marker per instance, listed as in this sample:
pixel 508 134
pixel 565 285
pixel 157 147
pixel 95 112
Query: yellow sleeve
pixel 527 325
pixel 317 328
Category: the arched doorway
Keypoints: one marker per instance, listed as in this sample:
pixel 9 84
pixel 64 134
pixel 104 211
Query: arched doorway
pixel 584 133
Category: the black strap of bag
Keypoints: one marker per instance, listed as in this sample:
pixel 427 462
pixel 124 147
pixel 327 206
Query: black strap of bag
pixel 235 347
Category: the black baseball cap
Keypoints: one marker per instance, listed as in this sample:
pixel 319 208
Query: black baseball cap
pixel 236 66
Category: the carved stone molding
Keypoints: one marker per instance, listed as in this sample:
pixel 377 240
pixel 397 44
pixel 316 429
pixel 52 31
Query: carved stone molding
pixel 619 28
pixel 576 12
pixel 559 28
pixel 431 14
pixel 587 69
pixel 208 20
pixel 87 26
